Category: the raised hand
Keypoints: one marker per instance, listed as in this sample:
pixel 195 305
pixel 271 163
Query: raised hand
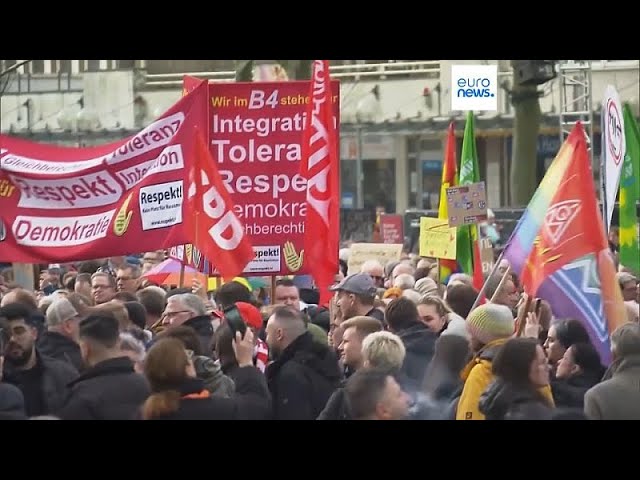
pixel 291 257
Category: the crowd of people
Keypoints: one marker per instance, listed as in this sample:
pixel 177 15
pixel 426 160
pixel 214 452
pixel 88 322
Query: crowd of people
pixel 96 341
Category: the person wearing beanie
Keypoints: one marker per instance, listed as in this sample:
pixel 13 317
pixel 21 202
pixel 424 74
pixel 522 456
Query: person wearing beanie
pixel 489 327
pixel 426 286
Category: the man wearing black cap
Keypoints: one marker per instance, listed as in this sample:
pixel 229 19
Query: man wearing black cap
pixel 356 294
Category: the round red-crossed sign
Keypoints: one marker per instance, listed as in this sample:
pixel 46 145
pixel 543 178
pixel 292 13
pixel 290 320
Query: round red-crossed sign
pixel 614 141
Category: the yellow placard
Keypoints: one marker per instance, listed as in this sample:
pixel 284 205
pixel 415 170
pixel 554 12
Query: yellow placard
pixel 361 252
pixel 437 239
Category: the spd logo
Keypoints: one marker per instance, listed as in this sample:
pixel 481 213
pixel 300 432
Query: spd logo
pixel 474 87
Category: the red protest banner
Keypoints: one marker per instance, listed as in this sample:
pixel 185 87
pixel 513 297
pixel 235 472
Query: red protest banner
pixel 391 228
pixel 86 203
pixel 255 138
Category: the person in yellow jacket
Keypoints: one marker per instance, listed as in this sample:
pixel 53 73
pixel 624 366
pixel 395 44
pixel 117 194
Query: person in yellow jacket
pixel 489 327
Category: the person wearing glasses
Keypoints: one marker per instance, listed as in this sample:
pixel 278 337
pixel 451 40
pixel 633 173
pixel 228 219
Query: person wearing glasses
pixel 42 380
pixel 189 310
pixel 103 287
pixel 375 270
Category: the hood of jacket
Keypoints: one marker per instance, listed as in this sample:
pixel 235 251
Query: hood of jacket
pixel 484 356
pixel 418 339
pixel 456 325
pixel 210 372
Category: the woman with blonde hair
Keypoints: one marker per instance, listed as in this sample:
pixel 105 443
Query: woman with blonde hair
pixel 436 314
pixel 178 395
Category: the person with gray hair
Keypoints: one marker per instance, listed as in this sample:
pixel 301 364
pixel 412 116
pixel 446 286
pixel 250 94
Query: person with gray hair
pixel 189 310
pixel 375 270
pixel 401 268
pixel 134 349
pixel 412 295
pixel 404 281
pixel 618 398
pixel 60 340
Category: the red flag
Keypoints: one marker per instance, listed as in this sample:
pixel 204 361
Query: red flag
pixel 213 225
pixel 449 179
pixel 320 166
pixel 569 231
pixel 189 84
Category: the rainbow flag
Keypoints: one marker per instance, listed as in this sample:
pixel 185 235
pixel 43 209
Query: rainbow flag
pixel 560 251
pixel 449 179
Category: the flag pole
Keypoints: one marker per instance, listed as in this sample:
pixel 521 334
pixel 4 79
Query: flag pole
pixel 484 286
pixel 181 281
pixel 603 172
pixel 505 275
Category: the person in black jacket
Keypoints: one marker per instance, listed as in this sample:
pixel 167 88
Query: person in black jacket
pixel 403 320
pixel 381 350
pixel 304 373
pixel 179 395
pixel 356 329
pixel 109 389
pixel 11 398
pixel 60 341
pixel 442 383
pixel 521 369
pixel 578 371
pixel 189 310
pixel 42 380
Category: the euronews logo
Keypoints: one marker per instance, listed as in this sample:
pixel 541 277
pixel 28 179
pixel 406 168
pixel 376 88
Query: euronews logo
pixel 474 87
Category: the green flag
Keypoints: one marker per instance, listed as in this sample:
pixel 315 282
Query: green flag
pixel 469 173
pixel 630 194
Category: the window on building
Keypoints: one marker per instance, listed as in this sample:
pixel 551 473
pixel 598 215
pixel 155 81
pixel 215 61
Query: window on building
pixel 93 65
pixel 379 184
pixel 36 66
pixel 125 64
pixel 64 66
